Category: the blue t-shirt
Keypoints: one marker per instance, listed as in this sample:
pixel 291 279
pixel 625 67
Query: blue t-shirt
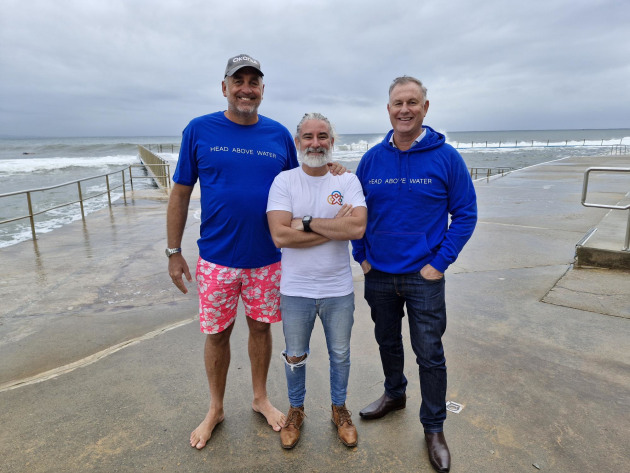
pixel 235 165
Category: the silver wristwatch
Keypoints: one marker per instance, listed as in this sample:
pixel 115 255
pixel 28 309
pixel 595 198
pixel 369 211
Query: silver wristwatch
pixel 171 251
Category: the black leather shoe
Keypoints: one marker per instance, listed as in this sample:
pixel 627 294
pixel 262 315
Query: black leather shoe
pixel 439 456
pixel 382 406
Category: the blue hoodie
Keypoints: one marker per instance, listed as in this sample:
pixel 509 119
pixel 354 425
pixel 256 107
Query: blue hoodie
pixel 410 195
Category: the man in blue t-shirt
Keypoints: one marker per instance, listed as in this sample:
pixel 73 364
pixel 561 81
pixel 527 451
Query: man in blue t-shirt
pixel 235 155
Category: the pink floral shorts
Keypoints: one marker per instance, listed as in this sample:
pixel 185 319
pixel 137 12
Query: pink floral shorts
pixel 220 286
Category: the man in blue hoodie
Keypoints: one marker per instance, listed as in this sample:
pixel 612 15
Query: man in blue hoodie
pixel 413 181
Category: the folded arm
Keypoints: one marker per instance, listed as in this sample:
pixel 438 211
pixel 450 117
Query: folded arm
pixel 286 237
pixel 288 232
pixel 348 224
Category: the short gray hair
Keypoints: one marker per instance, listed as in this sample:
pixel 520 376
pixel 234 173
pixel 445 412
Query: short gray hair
pixel 406 80
pixel 315 116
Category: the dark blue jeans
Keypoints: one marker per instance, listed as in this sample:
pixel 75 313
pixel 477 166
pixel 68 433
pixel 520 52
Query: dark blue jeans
pixel 388 294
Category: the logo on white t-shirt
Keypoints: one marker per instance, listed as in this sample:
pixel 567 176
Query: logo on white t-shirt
pixel 335 198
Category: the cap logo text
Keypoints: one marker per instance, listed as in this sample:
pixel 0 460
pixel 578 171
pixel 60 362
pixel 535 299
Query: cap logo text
pixel 245 58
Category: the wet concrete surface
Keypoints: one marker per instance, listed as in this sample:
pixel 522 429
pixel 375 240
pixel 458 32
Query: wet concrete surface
pixel 538 352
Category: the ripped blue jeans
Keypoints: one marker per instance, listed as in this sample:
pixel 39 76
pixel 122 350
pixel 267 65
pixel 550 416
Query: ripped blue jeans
pixel 298 319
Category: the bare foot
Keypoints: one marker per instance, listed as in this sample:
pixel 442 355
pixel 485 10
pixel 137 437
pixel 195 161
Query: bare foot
pixel 200 436
pixel 274 417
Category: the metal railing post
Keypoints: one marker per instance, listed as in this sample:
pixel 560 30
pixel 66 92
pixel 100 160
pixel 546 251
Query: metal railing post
pixel 122 175
pixel 130 179
pixel 81 200
pixel 626 246
pixel 30 213
pixel 109 195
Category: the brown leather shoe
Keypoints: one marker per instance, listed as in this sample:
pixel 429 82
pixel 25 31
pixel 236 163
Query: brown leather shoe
pixel 346 431
pixel 382 406
pixel 290 432
pixel 439 456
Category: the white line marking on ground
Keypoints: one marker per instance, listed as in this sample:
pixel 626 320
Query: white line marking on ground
pixel 45 376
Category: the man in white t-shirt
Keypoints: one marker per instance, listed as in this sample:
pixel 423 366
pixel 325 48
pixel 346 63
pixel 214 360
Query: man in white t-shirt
pixel 312 215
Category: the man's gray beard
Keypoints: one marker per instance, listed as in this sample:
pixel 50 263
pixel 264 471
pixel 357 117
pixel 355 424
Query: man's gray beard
pixel 245 111
pixel 315 161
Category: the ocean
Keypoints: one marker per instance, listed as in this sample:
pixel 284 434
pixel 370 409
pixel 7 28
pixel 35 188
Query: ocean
pixel 29 163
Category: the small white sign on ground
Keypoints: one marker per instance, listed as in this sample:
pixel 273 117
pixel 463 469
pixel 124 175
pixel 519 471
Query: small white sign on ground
pixel 454 407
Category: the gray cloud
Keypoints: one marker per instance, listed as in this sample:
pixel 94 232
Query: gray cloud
pixel 141 67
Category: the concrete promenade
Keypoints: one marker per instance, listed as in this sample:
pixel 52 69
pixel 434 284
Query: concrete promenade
pixel 101 357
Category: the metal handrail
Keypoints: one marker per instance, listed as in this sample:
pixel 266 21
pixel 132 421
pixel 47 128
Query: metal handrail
pixel 607 206
pixel 532 144
pixel 488 172
pixel 619 149
pixel 31 214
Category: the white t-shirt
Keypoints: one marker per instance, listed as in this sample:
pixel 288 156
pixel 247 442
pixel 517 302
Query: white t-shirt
pixel 324 270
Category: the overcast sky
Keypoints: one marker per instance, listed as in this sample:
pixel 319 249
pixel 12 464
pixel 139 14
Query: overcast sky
pixel 146 67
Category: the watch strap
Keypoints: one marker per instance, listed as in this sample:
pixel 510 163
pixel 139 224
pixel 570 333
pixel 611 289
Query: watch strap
pixel 306 222
pixel 171 251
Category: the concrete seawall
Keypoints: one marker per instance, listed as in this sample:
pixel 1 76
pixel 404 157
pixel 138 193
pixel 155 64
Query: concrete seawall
pixel 101 357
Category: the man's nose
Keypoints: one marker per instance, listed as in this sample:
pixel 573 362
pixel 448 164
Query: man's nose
pixel 315 142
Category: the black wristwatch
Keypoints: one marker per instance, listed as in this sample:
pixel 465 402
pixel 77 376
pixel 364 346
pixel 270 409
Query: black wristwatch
pixel 306 221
